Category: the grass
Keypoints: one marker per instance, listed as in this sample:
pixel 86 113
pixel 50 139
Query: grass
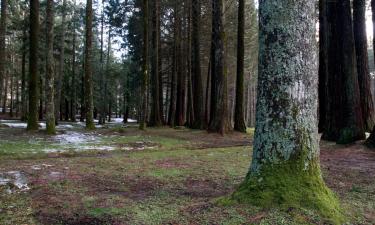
pixel 174 183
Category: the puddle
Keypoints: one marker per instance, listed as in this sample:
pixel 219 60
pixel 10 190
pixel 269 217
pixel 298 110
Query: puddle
pixel 14 180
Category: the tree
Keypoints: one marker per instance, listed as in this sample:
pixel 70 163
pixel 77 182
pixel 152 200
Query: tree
pixel 285 170
pixel 155 119
pixel 145 63
pixel 239 120
pixel 89 102
pixel 364 80
pixel 3 25
pixel 50 76
pixel 219 102
pixel 344 122
pixel 32 123
pixel 198 103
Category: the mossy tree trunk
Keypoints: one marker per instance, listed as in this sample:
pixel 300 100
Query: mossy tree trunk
pixel 143 113
pixel 89 102
pixel 50 73
pixel 219 103
pixel 344 122
pixel 32 122
pixel 74 64
pixel 155 118
pixel 3 25
pixel 364 80
pixel 239 115
pixel 102 112
pixel 285 170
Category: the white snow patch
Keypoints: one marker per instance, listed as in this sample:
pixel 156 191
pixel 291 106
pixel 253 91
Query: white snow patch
pixel 16 178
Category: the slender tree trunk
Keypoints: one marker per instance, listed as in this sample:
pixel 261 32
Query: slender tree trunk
pixel 285 168
pixel 364 80
pixel 50 73
pixel 198 103
pixel 23 72
pixel 173 94
pixel 89 101
pixel 208 97
pixel 32 123
pixel 344 122
pixel 74 85
pixel 190 103
pixel 143 113
pixel 102 113
pixel 155 119
pixel 219 108
pixel 180 98
pixel 239 120
pixel 3 26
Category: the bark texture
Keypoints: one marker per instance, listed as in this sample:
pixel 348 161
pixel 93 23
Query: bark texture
pixel 219 104
pixel 285 170
pixel 89 102
pixel 344 122
pixel 32 122
pixel 239 114
pixel 364 80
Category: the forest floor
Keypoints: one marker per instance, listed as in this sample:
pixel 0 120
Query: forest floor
pixel 118 175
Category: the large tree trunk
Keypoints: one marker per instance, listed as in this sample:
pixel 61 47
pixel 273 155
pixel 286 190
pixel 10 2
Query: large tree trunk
pixel 32 123
pixel 3 25
pixel 197 82
pixel 181 79
pixel 89 102
pixel 144 89
pixel 364 80
pixel 285 168
pixel 50 75
pixel 239 115
pixel 344 122
pixel 219 107
pixel 155 118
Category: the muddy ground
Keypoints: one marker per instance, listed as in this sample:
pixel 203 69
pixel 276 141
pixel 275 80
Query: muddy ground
pixel 161 176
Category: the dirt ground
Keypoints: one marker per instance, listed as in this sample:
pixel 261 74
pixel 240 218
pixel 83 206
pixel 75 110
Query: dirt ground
pixel 177 181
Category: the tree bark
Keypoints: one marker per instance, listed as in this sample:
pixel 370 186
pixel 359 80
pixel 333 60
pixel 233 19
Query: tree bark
pixel 155 118
pixel 364 80
pixel 285 168
pixel 239 115
pixel 50 73
pixel 89 102
pixel 32 123
pixel 198 103
pixel 219 93
pixel 344 122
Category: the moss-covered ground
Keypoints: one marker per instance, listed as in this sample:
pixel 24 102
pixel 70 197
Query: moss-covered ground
pixel 160 176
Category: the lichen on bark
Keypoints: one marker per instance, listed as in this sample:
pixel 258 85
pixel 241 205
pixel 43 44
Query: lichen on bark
pixel 285 169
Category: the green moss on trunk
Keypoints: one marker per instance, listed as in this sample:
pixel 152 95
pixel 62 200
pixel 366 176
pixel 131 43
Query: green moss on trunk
pixel 289 185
